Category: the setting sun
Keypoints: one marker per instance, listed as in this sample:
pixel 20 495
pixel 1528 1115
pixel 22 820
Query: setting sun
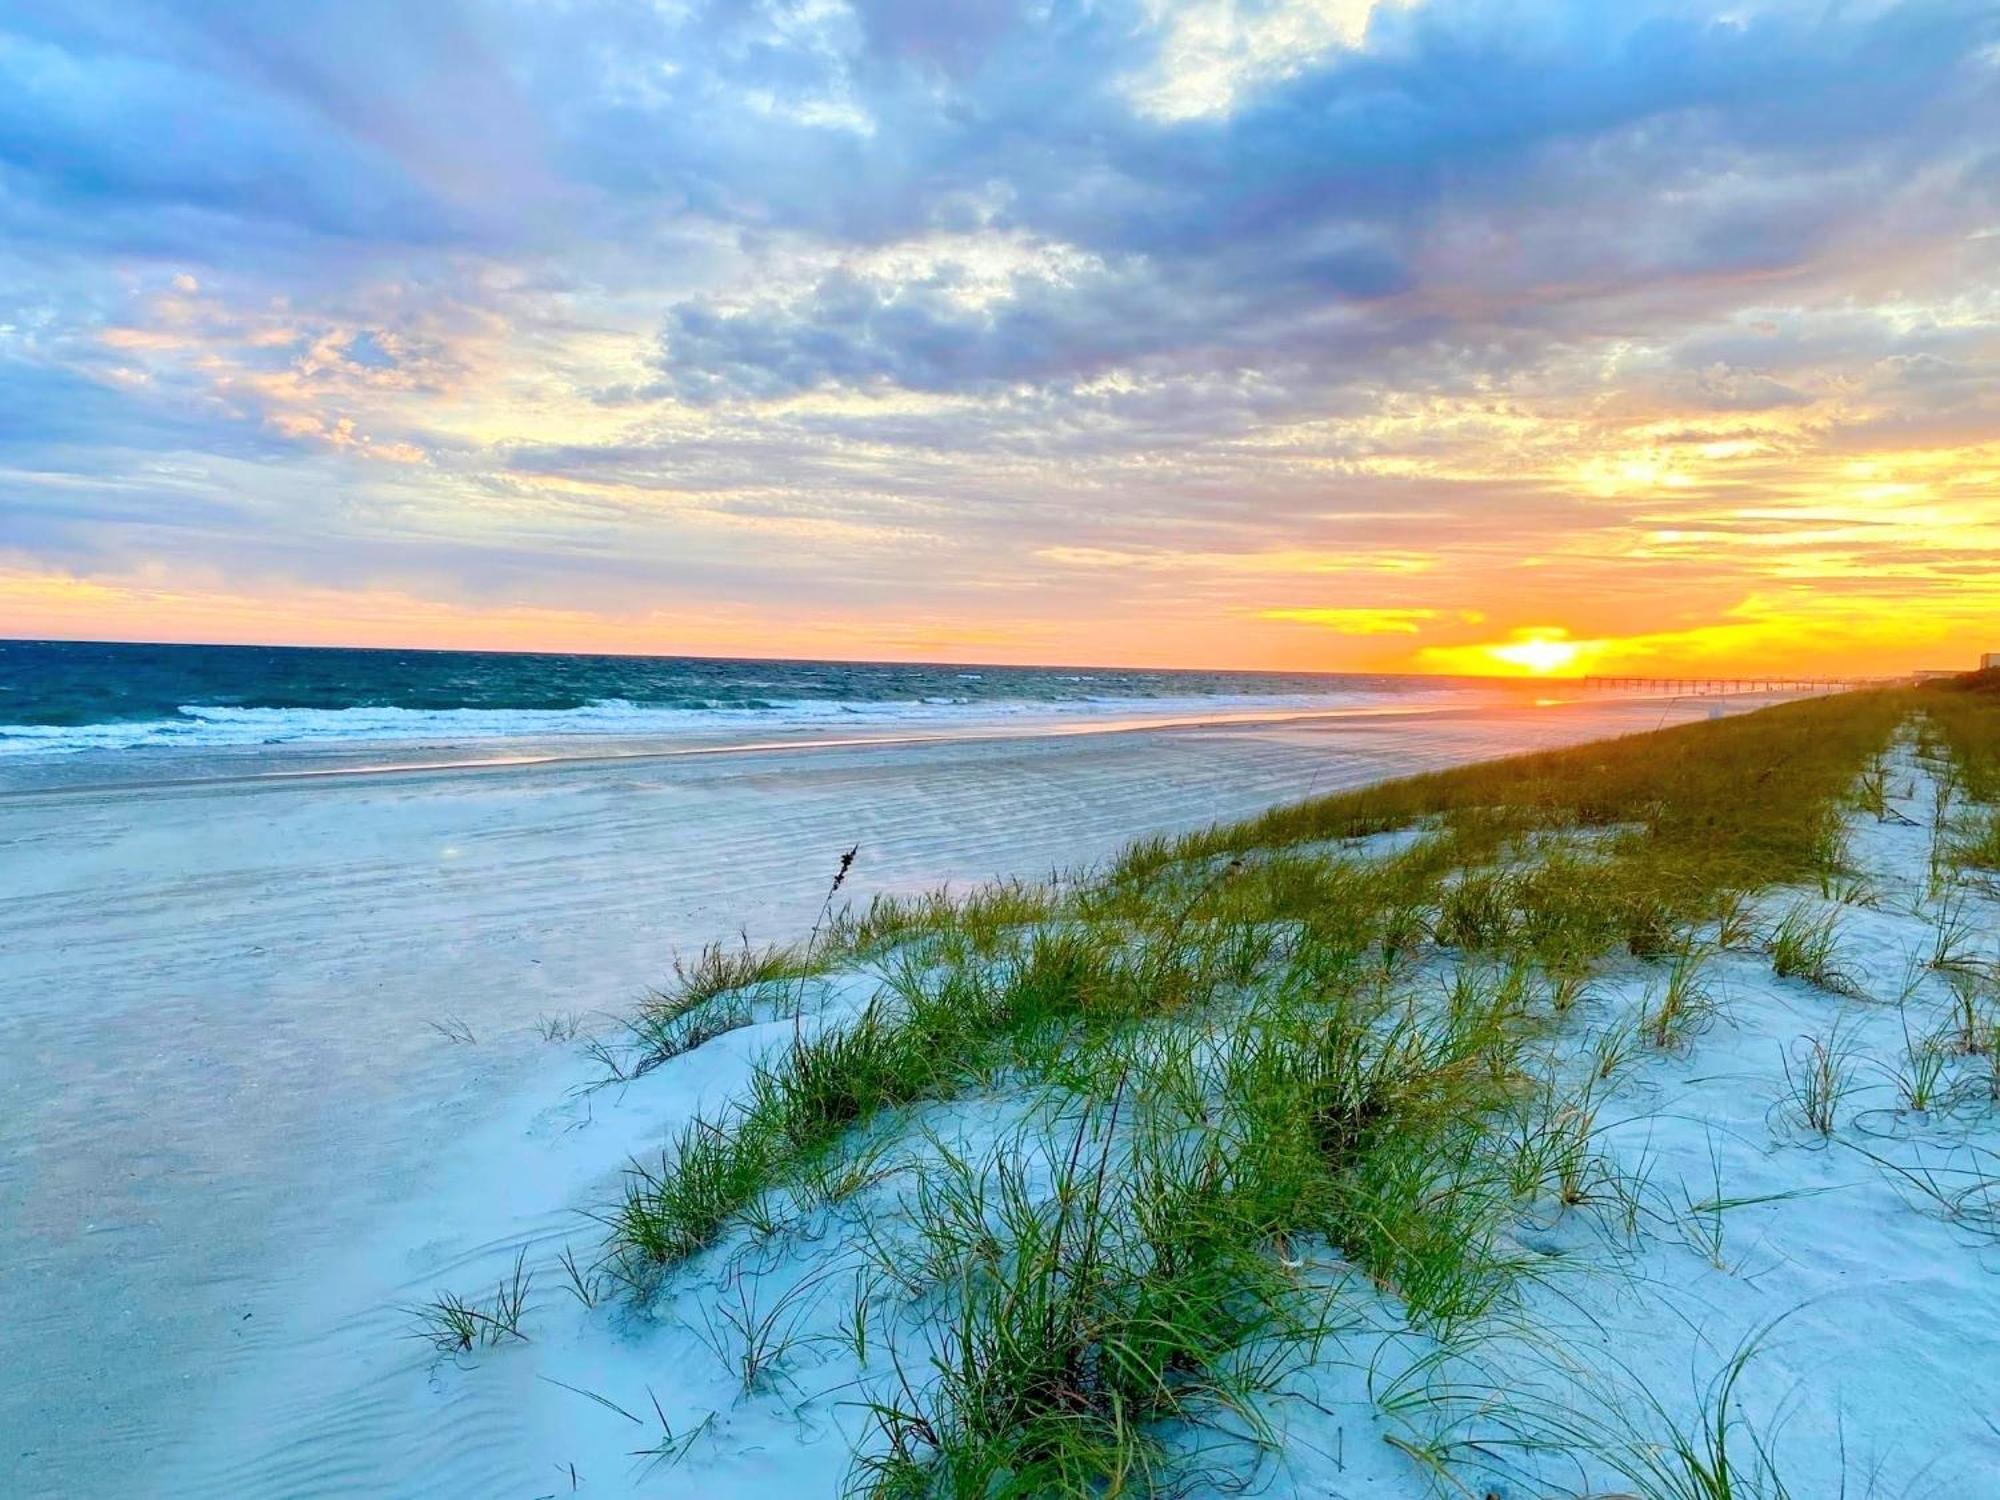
pixel 1539 655
pixel 1529 651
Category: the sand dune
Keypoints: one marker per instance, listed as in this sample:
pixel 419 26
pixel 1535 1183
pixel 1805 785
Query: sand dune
pixel 223 1066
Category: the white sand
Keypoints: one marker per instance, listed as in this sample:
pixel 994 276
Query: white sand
pixel 1872 1304
pixel 235 1142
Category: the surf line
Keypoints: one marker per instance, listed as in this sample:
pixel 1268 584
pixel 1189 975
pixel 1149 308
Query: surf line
pixel 498 763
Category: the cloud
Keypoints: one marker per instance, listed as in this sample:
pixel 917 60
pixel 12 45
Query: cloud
pixel 1467 190
pixel 1357 620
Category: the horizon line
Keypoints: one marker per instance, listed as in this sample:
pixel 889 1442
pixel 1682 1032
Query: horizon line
pixel 1737 675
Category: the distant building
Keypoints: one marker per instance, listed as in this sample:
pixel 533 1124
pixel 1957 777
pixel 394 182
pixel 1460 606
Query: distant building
pixel 1990 662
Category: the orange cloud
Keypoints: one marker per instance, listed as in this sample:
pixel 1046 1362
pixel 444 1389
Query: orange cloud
pixel 1355 621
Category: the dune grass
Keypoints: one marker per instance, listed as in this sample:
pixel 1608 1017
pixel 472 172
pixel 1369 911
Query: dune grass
pixel 457 1324
pixel 1147 1279
pixel 1806 945
pixel 1265 1037
pixel 1966 716
pixel 1961 732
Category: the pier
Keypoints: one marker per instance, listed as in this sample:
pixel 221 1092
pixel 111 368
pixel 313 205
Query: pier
pixel 1699 686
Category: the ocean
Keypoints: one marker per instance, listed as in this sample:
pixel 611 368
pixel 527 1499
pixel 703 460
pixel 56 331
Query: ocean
pixel 59 698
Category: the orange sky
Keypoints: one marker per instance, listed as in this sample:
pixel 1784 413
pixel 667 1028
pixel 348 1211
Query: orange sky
pixel 1752 554
pixel 1304 335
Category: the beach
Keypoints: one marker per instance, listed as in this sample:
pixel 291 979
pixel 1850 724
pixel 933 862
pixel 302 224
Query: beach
pixel 878 751
pixel 254 1023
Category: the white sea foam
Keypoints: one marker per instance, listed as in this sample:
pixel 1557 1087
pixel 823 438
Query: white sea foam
pixel 202 726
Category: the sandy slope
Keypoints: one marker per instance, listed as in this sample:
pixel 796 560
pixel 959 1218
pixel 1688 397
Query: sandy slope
pixel 1870 1301
pixel 219 1070
pixel 1876 1374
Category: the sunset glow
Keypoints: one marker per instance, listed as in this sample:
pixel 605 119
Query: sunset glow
pixel 1424 335
pixel 1538 653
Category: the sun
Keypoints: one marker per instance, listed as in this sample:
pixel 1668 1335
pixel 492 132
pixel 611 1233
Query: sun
pixel 1539 655
pixel 1528 651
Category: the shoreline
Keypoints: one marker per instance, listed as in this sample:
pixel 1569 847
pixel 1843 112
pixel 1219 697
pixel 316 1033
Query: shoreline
pixel 679 750
pixel 692 746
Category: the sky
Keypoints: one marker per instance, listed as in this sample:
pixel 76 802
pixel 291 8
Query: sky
pixel 1448 335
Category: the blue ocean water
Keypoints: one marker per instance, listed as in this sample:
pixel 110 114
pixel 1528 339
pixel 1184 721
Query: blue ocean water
pixel 64 696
